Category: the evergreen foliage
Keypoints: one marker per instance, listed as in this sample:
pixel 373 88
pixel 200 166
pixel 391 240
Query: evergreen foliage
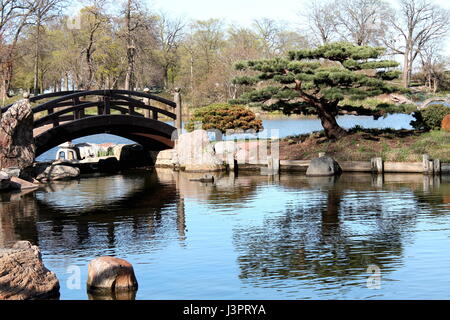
pixel 313 81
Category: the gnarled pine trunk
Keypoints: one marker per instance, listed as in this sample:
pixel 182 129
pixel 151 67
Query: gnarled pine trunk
pixel 327 115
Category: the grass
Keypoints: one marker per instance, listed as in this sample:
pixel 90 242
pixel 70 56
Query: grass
pixel 364 144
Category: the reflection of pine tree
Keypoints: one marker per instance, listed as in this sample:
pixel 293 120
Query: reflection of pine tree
pixel 320 239
pixel 315 81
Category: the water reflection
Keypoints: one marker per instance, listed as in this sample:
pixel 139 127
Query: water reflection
pixel 245 236
pixel 90 215
pixel 335 231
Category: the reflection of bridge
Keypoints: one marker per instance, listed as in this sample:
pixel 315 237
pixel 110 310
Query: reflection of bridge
pixel 68 115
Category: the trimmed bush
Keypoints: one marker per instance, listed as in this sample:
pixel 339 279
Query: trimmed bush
pixel 223 116
pixel 430 118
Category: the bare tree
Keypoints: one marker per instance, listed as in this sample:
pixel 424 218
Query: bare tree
pixel 417 23
pixel 43 11
pixel 321 21
pixel 268 30
pixel 137 19
pixel 93 21
pixel 170 35
pixel 361 21
pixel 14 16
pixel 433 65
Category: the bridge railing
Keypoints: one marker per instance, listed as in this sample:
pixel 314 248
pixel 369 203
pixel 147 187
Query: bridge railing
pixel 72 105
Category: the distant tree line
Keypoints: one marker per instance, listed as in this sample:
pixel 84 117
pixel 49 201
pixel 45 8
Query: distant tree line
pixel 44 46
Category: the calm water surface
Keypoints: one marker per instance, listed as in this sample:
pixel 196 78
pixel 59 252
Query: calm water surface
pixel 284 127
pixel 245 237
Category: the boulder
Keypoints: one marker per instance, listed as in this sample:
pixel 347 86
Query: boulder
pixel 446 123
pixel 108 165
pixel 134 155
pixel 16 136
pixel 24 276
pixel 166 158
pixel 5 181
pixel 195 153
pixel 110 274
pixel 12 171
pixel 252 152
pixel 57 172
pixel 323 166
pixel 17 183
pixel 226 147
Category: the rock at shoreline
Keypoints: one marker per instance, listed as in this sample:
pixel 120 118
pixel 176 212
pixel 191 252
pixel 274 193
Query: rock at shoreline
pixel 196 154
pixel 446 123
pixel 16 136
pixel 56 172
pixel 323 166
pixel 133 155
pixel 21 184
pixel 193 152
pixel 24 276
pixel 5 181
pixel 110 274
pixel 166 158
pixel 12 171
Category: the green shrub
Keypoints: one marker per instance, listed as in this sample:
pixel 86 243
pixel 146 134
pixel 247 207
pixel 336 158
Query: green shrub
pixel 430 118
pixel 223 116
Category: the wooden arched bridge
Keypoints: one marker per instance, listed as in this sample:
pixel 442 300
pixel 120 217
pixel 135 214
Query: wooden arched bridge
pixel 67 115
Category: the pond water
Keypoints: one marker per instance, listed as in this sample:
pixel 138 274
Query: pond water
pixel 246 236
pixel 283 127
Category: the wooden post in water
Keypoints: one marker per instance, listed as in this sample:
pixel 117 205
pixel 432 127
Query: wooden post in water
pixel 377 165
pixel 437 166
pixel 178 111
pixel 147 102
pixel 428 165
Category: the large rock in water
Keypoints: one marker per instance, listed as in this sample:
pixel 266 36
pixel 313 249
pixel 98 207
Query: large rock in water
pixel 196 154
pixel 5 181
pixel 16 136
pixel 446 123
pixel 111 274
pixel 24 276
pixel 57 172
pixel 323 166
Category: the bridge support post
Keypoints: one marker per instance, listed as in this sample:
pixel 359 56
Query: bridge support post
pixel 147 102
pixel 178 111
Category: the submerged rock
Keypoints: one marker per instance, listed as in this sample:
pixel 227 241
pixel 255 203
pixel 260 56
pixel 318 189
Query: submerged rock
pixel 110 274
pixel 323 166
pixel 24 276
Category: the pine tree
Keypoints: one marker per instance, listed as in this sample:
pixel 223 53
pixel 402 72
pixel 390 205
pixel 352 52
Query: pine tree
pixel 314 81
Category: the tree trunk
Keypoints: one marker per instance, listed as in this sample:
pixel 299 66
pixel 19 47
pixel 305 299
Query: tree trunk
pixel 36 57
pixel 129 77
pixel 406 69
pixel 327 115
